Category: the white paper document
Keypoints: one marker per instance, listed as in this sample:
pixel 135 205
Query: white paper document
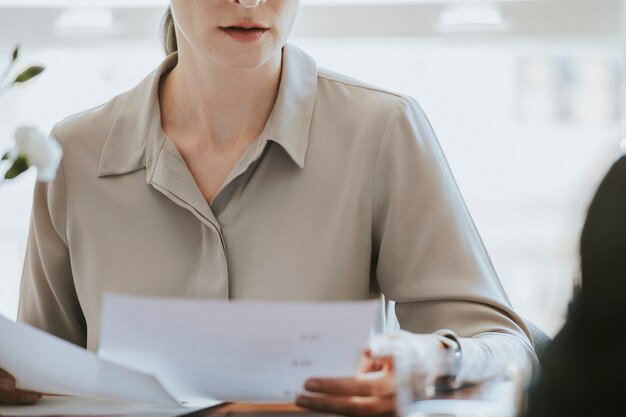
pixel 44 363
pixel 237 350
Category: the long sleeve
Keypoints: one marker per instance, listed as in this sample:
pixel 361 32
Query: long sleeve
pixel 429 258
pixel 48 297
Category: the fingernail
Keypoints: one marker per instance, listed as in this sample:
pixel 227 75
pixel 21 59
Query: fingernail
pixel 312 385
pixel 29 398
pixel 6 384
pixel 303 401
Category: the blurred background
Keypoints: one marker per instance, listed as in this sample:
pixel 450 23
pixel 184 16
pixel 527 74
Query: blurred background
pixel 527 98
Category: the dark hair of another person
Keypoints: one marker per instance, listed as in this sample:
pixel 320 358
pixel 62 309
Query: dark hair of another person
pixel 584 367
pixel 170 44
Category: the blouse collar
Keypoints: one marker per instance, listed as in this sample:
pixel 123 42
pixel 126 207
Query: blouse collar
pixel 135 138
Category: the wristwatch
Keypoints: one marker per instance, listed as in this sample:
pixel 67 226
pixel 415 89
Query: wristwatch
pixel 449 376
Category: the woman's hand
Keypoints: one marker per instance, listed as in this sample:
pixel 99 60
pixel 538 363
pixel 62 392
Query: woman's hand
pixel 369 393
pixel 10 395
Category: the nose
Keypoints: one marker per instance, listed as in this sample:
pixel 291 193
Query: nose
pixel 248 3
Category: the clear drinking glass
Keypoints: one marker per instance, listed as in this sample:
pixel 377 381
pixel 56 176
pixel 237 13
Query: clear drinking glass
pixel 416 396
pixel 413 383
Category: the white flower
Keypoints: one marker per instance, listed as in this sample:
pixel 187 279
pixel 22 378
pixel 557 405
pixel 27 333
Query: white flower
pixel 40 151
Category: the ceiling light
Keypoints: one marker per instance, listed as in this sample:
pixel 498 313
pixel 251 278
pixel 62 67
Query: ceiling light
pixel 471 17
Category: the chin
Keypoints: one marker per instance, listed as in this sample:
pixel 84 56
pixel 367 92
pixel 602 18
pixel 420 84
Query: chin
pixel 243 61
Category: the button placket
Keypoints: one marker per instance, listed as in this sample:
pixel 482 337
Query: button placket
pixel 172 178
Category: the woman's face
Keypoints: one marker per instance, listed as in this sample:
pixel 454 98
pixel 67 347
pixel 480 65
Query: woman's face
pixel 213 28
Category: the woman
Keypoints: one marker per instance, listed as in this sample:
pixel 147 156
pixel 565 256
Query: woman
pixel 238 169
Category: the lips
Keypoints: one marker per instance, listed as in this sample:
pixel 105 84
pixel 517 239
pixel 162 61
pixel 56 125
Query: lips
pixel 246 24
pixel 245 31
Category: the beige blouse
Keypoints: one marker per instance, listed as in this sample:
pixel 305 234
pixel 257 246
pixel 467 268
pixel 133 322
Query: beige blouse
pixel 344 195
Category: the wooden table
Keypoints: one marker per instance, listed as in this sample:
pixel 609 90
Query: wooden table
pixel 487 391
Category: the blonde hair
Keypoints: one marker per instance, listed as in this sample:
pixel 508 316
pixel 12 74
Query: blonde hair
pixel 168 31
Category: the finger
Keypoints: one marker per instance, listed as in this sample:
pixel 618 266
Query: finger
pixel 350 406
pixel 371 363
pixel 382 363
pixel 365 385
pixel 366 362
pixel 7 382
pixel 19 397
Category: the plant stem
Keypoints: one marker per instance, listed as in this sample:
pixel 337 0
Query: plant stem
pixel 5 73
pixel 4 89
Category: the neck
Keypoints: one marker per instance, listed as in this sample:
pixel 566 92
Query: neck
pixel 222 106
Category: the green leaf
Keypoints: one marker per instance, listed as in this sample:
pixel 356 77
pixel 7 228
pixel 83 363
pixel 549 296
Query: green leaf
pixel 16 53
pixel 20 165
pixel 31 72
pixel 5 157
